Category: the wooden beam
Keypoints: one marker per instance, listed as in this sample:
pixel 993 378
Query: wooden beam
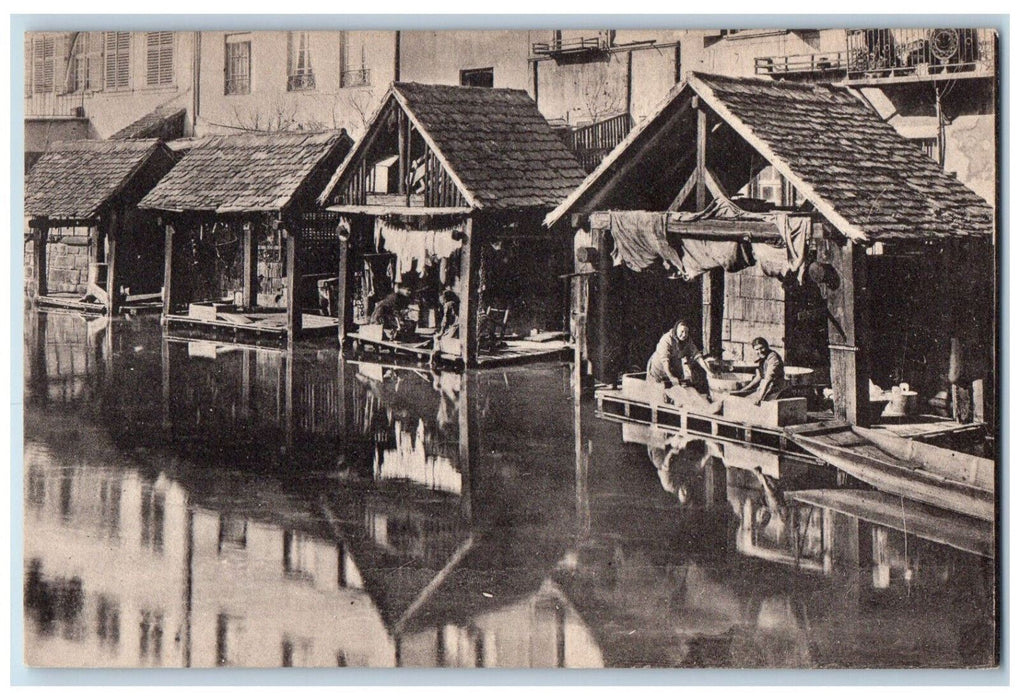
pixel 468 436
pixel 168 271
pixel 716 229
pixel 602 368
pixel 702 149
pixel 401 152
pixel 112 236
pixel 713 291
pixel 250 281
pixel 470 263
pixel 685 192
pixel 293 278
pixel 39 256
pixel 849 329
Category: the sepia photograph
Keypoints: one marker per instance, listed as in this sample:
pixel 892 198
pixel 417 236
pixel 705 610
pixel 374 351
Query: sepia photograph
pixel 664 348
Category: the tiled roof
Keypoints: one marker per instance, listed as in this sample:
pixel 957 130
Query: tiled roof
pixel 870 182
pixel 158 123
pixel 852 159
pixel 74 179
pixel 495 142
pixel 246 172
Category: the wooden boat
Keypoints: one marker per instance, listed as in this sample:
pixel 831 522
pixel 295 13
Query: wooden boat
pixel 952 529
pixel 943 478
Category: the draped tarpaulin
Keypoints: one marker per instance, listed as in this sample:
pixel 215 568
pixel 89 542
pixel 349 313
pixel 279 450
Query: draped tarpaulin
pixel 640 239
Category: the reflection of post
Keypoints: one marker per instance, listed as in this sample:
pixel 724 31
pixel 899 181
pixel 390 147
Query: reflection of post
pixel 170 289
pixel 468 438
pixel 38 358
pixel 581 455
pixel 165 358
pixel 246 380
pixel 341 398
pixel 288 411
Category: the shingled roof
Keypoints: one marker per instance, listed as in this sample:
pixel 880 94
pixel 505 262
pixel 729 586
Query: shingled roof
pixel 245 172
pixel 160 123
pixel 864 177
pixel 494 141
pixel 73 180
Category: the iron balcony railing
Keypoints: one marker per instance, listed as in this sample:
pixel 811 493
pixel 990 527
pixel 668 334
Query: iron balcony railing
pixel 50 104
pixel 358 77
pixel 572 45
pixel 884 54
pixel 301 81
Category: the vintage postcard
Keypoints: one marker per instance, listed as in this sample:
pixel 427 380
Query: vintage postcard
pixel 665 348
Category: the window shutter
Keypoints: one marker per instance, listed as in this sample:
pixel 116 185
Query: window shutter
pixel 29 53
pixel 117 47
pixel 159 58
pixel 42 64
pixel 95 61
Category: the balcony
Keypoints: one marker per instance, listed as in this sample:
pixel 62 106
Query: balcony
pixel 893 55
pixel 571 47
pixel 50 105
pixel 300 81
pixel 359 77
pixel 593 142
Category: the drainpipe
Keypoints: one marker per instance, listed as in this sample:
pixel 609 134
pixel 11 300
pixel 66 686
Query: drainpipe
pixel 396 58
pixel 196 74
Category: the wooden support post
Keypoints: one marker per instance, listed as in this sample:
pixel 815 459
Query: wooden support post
pixel 112 238
pixel 167 393
pixel 470 265
pixel 39 257
pixel 169 288
pixel 250 283
pixel 341 289
pixel 293 282
pixel 713 292
pixel 849 329
pixel 700 189
pixel 605 266
pixel 630 82
pixel 402 152
pixel 288 399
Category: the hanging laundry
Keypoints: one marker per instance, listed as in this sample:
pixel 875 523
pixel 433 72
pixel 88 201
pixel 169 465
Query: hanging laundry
pixel 640 239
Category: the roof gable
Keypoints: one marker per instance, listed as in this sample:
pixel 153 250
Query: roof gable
pixel 76 179
pixel 246 172
pixel 493 143
pixel 870 182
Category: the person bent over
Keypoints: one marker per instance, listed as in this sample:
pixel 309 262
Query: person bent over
pixel 769 376
pixel 675 358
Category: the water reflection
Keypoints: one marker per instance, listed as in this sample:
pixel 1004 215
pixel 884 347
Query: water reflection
pixel 206 505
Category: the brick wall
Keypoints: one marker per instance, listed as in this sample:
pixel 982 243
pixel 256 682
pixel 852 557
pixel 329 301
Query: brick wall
pixel 755 305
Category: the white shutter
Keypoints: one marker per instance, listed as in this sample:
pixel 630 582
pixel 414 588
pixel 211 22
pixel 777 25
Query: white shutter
pixel 159 58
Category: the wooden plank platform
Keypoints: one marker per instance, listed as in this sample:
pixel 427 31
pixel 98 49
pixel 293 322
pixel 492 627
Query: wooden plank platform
pixel 927 522
pixel 73 302
pixel 516 352
pixel 612 404
pixel 266 327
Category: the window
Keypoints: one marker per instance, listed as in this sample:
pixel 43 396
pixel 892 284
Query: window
pixel 87 71
pixel 298 555
pixel 117 53
pixel 150 637
pixel 299 62
pixel 41 53
pixel 233 533
pixel 353 73
pixel 159 58
pixel 476 77
pixel 108 622
pixel 153 513
pixel 229 630
pixel 237 70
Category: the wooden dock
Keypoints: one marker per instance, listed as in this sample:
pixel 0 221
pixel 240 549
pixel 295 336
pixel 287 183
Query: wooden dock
pixel 515 352
pixel 264 328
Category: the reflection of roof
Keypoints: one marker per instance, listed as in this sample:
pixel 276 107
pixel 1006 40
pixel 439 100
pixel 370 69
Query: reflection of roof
pixel 247 172
pixel 870 182
pixel 494 141
pixel 75 179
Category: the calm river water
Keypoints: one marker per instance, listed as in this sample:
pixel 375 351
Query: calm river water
pixel 190 504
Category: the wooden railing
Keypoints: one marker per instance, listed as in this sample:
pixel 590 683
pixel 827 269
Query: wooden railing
pixel 359 77
pixel 578 45
pixel 593 142
pixel 50 104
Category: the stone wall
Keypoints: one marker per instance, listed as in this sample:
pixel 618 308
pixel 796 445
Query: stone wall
pixel 755 305
pixel 67 261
